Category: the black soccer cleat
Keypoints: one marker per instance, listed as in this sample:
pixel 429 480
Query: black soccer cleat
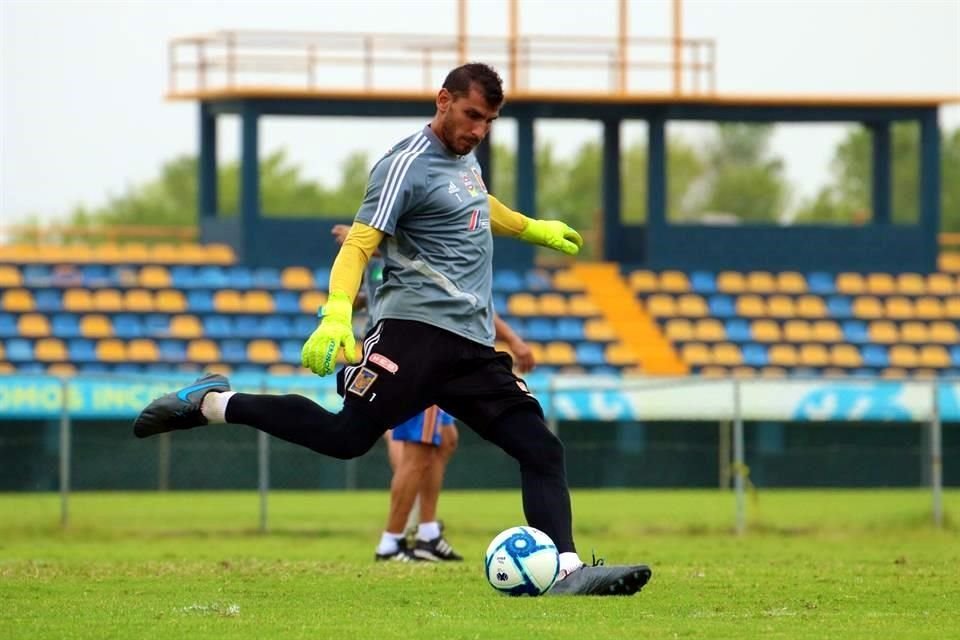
pixel 601 580
pixel 436 550
pixel 179 409
pixel 402 554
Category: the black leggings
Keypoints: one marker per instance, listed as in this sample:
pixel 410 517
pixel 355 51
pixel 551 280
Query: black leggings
pixel 521 432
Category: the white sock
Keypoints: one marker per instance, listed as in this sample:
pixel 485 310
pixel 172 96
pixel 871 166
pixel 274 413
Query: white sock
pixel 569 562
pixel 388 542
pixel 214 406
pixel 428 531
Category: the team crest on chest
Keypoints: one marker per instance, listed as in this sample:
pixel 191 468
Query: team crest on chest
pixel 468 183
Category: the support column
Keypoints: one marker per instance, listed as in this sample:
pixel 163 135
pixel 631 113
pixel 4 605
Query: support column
pixel 656 172
pixel 930 172
pixel 249 178
pixel 526 167
pixel 611 192
pixel 881 187
pixel 207 201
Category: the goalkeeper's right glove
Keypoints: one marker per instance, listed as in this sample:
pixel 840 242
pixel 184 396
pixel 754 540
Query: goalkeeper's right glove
pixel 319 352
pixel 554 234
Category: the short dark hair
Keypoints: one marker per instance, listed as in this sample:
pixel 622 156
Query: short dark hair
pixel 485 77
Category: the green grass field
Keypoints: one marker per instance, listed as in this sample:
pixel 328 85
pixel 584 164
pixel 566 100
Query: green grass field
pixel 814 564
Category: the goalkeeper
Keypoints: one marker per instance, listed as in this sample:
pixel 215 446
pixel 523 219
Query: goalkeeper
pixel 427 210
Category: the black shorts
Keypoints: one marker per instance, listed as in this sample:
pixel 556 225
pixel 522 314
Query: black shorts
pixel 408 366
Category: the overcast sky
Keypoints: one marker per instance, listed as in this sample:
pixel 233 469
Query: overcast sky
pixel 83 114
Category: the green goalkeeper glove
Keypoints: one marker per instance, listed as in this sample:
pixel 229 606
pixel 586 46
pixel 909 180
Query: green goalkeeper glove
pixel 554 234
pixel 319 352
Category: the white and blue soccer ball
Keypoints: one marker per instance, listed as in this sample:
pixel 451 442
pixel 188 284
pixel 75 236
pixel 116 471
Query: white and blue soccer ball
pixel 522 561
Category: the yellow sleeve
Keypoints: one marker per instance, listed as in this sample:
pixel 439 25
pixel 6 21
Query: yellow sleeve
pixel 347 271
pixel 504 221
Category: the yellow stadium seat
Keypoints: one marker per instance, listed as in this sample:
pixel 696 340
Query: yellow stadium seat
pixel 674 282
pixel 934 355
pixel 951 308
pixel 944 332
pixel 9 276
pixel 559 353
pixel 296 278
pixel 263 351
pixel 731 282
pixel 50 350
pixel 523 304
pixel 61 369
pixel 797 331
pixel 894 373
pixel 567 280
pixel 904 355
pixel 761 282
pixel 221 254
pixel 867 307
pixel 203 351
pixel 743 372
pixel 78 300
pixel 1 342
pixel 851 284
pixel 286 370
pixel 258 302
pixel 810 306
pixel 553 304
pixel 170 301
pixel 928 308
pixel 940 284
pixel 781 306
pixel 782 355
pixel 661 305
pixel 711 371
pixel 696 354
pixel 228 301
pixel 311 301
pixel 845 355
pixel 791 283
pixel 6 367
pixel 620 355
pixel 883 332
pixel 924 374
pixel 949 262
pixel 138 300
pixel 132 253
pixel 191 253
pixel 33 325
pixel 911 284
pixel 110 253
pixel 766 331
pixel 898 308
pixel 76 253
pixel 727 354
pixel 143 350
pixel 679 330
pixel 572 370
pixel 154 276
pixel 109 300
pixel 773 372
pixel 751 306
pixel 709 330
pixel 914 332
pixel 111 350
pixel 598 330
pixel 692 305
pixel 827 331
pixel 19 300
pixel 126 277
pixel 881 284
pixel 582 306
pixel 185 326
pixel 166 253
pixel 96 325
pixel 644 281
pixel 814 355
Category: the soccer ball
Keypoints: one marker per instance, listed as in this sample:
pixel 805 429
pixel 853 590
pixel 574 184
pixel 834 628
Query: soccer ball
pixel 522 561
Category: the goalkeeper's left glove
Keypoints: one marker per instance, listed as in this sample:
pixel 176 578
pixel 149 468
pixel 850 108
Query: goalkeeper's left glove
pixel 319 352
pixel 554 234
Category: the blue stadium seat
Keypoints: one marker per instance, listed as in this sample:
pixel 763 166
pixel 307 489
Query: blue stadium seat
pixel 855 332
pixel 211 277
pixel 233 351
pixel 821 283
pixel 246 327
pixel 96 275
pixel 19 350
pixel 590 354
pixel 217 326
pixel 303 326
pixel 863 373
pixel 127 326
pixel 182 277
pixel 93 367
pixel 156 325
pixel 754 355
pixel 277 327
pixel 738 330
pixel 65 325
pixel 286 302
pixel 839 307
pixel 569 329
pixel 81 350
pixel 290 351
pixel 321 277
pixel 721 306
pixel 238 278
pixel 48 300
pixel 703 282
pixel 32 367
pixel 8 326
pixel 173 351
pixel 538 281
pixel 537 329
pixel 127 367
pixel 804 372
pixel 266 278
pixel 507 281
pixel 874 355
pixel 605 370
pixel 199 301
pixel 37 275
pixel 499 302
pixel 955 355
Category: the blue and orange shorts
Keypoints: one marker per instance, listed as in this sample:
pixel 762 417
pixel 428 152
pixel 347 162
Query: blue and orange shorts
pixel 423 428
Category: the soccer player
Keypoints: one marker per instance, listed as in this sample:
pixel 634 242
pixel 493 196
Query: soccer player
pixel 420 448
pixel 427 210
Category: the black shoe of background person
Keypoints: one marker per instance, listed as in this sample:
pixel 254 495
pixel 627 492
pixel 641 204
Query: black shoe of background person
pixel 436 550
